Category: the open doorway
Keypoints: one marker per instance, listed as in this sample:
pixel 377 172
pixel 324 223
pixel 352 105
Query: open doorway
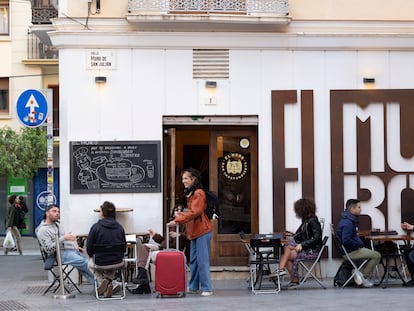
pixel 227 158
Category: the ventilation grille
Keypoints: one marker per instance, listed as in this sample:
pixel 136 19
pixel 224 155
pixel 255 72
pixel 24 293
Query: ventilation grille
pixel 210 64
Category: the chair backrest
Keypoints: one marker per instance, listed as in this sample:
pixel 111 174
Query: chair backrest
pixel 109 248
pixel 336 240
pixel 116 252
pixel 49 261
pixel 324 241
pixel 273 243
pixel 131 238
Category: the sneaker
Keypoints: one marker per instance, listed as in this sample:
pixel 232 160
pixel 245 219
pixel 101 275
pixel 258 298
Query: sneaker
pixel 206 294
pixel 282 272
pixel 358 278
pixel 292 285
pixel 116 287
pixel 367 283
pixel 102 287
pixel 192 291
pixel 410 283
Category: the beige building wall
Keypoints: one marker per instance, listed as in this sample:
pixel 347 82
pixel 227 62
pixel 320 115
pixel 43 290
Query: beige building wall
pixel 13 50
pixel 395 10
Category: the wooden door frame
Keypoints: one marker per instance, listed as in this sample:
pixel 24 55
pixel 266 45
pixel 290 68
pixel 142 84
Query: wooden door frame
pixel 221 243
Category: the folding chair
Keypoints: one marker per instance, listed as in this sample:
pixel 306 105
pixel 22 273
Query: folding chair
pixel 50 264
pixel 131 257
pixel 267 252
pixel 314 263
pixel 120 267
pixel 357 265
pixel 252 257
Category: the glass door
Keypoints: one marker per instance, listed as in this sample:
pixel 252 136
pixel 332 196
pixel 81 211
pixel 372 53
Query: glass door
pixel 233 174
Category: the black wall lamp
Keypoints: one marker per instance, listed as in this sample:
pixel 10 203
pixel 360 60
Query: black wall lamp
pixel 368 80
pixel 100 79
pixel 211 84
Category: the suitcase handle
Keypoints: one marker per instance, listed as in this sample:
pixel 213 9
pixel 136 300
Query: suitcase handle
pixel 177 238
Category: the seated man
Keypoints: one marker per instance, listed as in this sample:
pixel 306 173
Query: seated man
pixel 409 255
pixel 106 231
pixel 70 253
pixel 347 233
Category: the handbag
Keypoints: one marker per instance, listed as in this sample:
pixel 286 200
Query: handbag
pixel 8 240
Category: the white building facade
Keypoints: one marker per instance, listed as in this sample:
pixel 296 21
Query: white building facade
pixel 288 88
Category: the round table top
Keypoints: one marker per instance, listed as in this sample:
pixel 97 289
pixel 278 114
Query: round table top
pixel 118 209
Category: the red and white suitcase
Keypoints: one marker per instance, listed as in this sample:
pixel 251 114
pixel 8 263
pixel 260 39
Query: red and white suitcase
pixel 170 272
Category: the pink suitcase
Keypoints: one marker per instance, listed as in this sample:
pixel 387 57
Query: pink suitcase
pixel 170 272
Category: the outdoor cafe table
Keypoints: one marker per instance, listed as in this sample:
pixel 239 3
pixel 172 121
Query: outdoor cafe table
pixel 389 254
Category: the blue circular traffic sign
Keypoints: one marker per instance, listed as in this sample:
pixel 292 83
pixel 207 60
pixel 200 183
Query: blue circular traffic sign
pixel 32 108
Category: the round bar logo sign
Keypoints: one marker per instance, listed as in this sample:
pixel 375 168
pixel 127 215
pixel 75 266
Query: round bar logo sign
pixel 234 166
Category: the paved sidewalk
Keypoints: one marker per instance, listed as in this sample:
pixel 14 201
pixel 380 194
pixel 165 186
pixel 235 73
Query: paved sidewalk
pixel 23 280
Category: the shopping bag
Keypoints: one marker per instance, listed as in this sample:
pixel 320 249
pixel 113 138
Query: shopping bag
pixel 8 240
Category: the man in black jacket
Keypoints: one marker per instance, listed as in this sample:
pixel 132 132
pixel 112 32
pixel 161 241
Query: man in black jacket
pixel 106 231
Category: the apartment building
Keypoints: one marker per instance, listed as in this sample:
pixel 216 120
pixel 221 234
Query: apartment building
pixel 26 62
pixel 273 100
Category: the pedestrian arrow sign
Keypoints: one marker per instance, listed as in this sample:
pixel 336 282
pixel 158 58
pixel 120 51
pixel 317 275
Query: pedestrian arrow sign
pixel 32 108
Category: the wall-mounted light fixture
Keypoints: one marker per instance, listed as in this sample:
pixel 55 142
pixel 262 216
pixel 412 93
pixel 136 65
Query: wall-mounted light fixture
pixel 98 6
pixel 368 80
pixel 211 84
pixel 100 79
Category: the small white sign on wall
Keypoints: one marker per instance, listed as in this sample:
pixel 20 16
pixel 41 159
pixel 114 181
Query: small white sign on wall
pixel 100 59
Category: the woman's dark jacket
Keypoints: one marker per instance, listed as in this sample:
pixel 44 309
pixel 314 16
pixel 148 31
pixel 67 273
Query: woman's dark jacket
pixel 309 234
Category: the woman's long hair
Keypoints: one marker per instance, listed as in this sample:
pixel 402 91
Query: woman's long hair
pixel 197 176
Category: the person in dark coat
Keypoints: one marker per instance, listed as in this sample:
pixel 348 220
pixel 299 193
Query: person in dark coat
pixel 106 231
pixel 307 240
pixel 15 221
pixel 409 255
pixel 348 234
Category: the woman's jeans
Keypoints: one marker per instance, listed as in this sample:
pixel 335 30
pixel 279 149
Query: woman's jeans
pixel 200 263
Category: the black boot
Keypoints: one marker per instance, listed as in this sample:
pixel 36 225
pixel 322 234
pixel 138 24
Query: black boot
pixel 142 277
pixel 140 290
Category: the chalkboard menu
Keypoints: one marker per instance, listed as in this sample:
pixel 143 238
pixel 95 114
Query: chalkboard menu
pixel 115 166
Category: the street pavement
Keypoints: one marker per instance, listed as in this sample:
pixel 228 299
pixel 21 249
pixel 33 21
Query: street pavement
pixel 23 281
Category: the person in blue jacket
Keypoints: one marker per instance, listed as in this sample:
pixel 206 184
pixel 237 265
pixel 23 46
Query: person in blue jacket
pixel 348 234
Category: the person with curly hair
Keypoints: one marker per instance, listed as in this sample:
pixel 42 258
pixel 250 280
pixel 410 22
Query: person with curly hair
pixel 307 241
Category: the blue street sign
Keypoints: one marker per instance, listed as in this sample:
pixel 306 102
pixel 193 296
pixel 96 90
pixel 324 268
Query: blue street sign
pixel 32 108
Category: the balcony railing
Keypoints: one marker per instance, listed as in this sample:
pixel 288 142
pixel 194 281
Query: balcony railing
pixel 42 15
pixel 267 7
pixel 38 50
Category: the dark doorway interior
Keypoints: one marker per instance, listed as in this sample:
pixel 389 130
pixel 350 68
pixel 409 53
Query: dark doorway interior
pixel 196 156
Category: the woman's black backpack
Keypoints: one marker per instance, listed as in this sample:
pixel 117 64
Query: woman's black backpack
pixel 212 205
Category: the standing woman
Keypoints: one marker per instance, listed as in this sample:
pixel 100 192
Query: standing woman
pixel 307 240
pixel 198 230
pixel 14 221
